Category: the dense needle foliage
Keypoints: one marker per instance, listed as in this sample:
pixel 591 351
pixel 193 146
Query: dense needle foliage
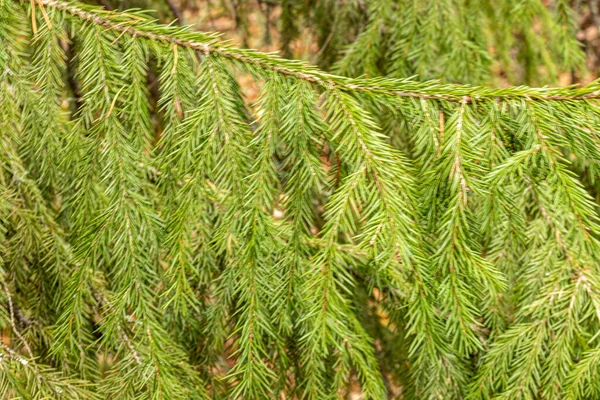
pixel 459 41
pixel 377 236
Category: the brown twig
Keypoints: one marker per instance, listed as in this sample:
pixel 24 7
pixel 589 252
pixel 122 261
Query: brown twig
pixel 12 320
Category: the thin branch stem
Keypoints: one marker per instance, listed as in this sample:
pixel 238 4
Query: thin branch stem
pixel 207 44
pixel 12 320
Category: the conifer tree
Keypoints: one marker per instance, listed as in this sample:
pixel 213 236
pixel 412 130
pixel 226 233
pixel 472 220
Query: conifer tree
pixel 384 236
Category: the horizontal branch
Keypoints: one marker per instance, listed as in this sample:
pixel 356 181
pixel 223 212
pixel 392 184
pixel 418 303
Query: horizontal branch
pixel 136 25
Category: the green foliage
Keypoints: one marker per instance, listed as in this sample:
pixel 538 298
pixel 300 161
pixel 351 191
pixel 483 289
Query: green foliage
pixel 455 40
pixel 382 236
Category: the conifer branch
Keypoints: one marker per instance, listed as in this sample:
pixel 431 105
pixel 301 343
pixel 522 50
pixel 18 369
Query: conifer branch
pixel 135 25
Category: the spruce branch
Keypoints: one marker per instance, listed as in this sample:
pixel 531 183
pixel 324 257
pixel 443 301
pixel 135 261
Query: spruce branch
pixel 35 380
pixel 136 25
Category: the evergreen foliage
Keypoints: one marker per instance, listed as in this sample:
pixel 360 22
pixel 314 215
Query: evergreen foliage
pixel 459 41
pixel 400 238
